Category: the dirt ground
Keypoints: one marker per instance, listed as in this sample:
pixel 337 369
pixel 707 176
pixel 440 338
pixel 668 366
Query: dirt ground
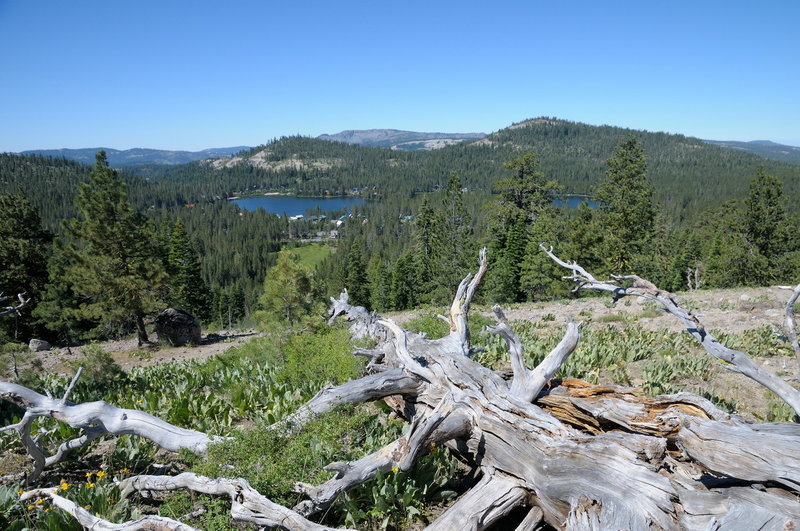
pixel 732 311
pixel 128 355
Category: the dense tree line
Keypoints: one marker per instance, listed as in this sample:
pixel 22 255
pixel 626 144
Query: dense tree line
pixel 413 243
pixel 747 242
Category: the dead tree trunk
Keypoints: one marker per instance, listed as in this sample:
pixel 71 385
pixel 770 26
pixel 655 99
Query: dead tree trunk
pixel 579 456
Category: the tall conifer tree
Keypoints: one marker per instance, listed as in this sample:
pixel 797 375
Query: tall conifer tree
pixel 115 266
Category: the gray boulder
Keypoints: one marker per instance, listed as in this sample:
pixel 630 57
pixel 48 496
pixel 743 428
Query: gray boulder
pixel 177 327
pixel 38 345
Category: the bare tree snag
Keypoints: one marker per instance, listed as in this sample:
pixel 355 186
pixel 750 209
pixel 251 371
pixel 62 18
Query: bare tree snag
pixel 573 455
pixel 735 360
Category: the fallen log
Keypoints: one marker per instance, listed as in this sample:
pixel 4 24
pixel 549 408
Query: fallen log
pixel 572 455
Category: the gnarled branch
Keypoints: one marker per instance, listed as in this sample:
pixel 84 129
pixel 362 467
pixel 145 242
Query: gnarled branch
pixel 89 521
pixel 97 418
pixel 247 505
pixel 735 360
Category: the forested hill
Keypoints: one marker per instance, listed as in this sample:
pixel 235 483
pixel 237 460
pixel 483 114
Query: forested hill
pixel 689 174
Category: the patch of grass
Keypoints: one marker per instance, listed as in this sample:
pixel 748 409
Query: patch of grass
pixel 323 357
pixel 614 318
pixel 312 254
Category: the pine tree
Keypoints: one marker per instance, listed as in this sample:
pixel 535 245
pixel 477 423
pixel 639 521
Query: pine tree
pixel 115 266
pixel 356 274
pixel 427 249
pixel 404 283
pixel 627 212
pixel 524 196
pixel 540 277
pixel 188 290
pixel 24 250
pixel 457 247
pixel 765 215
pixel 288 293
pixel 379 280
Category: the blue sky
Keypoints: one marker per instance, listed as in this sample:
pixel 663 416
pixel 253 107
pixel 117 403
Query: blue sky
pixel 191 75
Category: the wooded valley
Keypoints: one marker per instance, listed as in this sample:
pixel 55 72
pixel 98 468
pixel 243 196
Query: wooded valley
pixel 484 423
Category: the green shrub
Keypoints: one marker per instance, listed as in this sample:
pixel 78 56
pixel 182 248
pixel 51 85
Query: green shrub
pixel 98 366
pixel 323 357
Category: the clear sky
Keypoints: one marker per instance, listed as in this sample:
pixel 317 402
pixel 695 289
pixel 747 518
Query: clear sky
pixel 171 74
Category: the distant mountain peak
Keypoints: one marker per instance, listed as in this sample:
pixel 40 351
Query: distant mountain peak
pixel 399 139
pixel 763 148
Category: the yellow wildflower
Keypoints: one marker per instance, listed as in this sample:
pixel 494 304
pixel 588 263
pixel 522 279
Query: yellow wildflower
pixel 87 506
pixel 395 469
pixel 31 507
pixel 89 485
pixel 126 471
pixel 39 501
pixel 89 474
pixel 64 485
pixel 20 491
pixel 101 475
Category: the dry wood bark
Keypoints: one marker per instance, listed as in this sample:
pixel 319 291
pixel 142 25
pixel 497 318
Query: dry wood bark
pixel 576 456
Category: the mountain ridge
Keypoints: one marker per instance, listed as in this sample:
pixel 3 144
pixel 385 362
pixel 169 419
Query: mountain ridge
pixel 119 158
pixel 763 148
pixel 399 139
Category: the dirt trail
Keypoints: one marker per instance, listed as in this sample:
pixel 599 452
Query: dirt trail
pixel 128 355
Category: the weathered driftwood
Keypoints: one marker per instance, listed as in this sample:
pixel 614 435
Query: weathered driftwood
pixel 790 323
pixel 735 360
pixel 574 455
pixel 582 456
pixel 96 419
pixel 247 505
pixel 89 521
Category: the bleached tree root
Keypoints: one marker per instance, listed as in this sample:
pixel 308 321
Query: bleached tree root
pixel 89 521
pixel 487 502
pixel 97 419
pixel 247 505
pixel 371 387
pixel 790 322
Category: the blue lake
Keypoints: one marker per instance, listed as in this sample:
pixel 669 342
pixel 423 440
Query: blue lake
pixel 295 206
pixel 574 202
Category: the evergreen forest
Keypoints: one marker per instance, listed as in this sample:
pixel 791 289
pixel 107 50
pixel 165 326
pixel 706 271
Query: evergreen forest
pixel 95 253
